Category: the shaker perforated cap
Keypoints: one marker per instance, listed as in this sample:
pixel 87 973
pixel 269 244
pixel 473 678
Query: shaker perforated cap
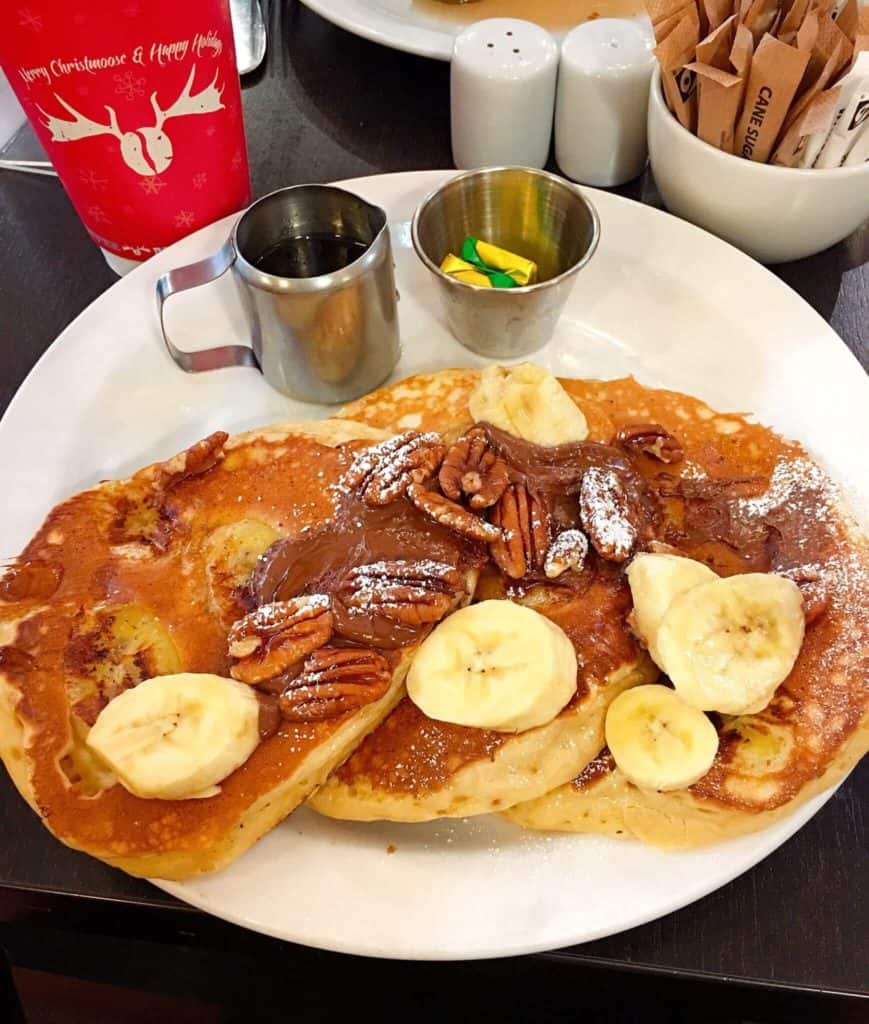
pixel 502 94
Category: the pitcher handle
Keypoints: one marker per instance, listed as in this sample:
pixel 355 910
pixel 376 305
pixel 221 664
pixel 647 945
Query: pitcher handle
pixel 192 276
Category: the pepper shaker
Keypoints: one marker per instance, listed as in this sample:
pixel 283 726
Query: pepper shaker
pixel 502 94
pixel 603 98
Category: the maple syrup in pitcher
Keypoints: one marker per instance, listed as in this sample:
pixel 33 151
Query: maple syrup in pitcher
pixel 310 255
pixel 138 107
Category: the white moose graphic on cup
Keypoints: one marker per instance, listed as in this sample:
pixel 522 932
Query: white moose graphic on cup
pixel 157 153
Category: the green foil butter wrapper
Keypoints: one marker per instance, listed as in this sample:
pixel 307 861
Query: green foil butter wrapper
pixel 489 266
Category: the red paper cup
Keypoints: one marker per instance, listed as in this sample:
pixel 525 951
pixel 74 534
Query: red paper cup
pixel 138 105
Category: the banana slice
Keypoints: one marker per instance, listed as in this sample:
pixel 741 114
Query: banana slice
pixel 528 402
pixel 114 648
pixel 232 552
pixel 656 580
pixel 175 737
pixel 657 740
pixel 494 665
pixel 727 645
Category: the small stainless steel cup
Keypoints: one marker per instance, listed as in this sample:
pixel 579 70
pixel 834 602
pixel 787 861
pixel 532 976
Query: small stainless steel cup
pixel 528 212
pixel 329 338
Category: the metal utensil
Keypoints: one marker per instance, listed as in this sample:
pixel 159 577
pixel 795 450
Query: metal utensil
pixel 529 212
pixel 249 31
pixel 29 167
pixel 326 338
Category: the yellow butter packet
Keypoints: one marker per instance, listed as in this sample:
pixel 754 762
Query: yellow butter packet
pixel 522 271
pixel 461 270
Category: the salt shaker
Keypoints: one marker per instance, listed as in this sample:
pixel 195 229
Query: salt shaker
pixel 603 98
pixel 502 94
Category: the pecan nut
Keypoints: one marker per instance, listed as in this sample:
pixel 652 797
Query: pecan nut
pixel 524 523
pixel 651 439
pixel 605 513
pixel 194 461
pixel 452 515
pixel 472 469
pixel 271 639
pixel 382 473
pixel 568 551
pixel 334 681
pixel 410 593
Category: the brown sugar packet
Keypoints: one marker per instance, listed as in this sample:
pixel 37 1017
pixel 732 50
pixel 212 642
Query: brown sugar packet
pixel 821 82
pixel 717 12
pixel 661 11
pixel 775 74
pixel 720 88
pixel 829 53
pixel 674 51
pixel 848 18
pixel 714 49
pixel 792 21
pixel 758 17
pixel 816 117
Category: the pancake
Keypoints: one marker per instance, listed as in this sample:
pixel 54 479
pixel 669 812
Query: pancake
pixel 741 499
pixel 783 516
pixel 414 768
pixel 144 577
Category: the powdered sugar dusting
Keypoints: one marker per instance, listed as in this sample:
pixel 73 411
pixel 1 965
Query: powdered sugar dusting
pixel 375 583
pixel 269 615
pixel 604 512
pixel 791 482
pixel 388 460
pixel 568 551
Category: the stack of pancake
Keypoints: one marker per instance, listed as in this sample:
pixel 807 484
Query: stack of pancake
pixel 146 577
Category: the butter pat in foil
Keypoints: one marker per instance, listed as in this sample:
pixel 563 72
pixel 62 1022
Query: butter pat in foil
pixel 461 270
pixel 488 266
pixel 522 271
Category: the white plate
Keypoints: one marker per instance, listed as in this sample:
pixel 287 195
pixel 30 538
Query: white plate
pixel 661 300
pixel 402 25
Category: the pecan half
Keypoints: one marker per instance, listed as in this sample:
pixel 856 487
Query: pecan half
pixel 568 551
pixel 449 513
pixel 525 527
pixel 270 640
pixel 194 461
pixel 605 514
pixel 651 439
pixel 335 680
pixel 410 593
pixel 383 472
pixel 472 469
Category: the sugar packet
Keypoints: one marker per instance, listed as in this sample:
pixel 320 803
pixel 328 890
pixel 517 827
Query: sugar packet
pixel 722 64
pixel 776 72
pixel 851 115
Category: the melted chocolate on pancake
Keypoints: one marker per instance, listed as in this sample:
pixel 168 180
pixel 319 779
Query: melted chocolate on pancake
pixel 319 561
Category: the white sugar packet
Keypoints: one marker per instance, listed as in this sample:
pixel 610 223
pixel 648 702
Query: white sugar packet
pixel 852 112
pixel 859 152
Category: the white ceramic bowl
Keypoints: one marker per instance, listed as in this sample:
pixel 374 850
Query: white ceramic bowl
pixel 772 213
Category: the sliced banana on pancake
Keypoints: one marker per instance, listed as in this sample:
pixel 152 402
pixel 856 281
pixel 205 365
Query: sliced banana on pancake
pixel 728 644
pixel 115 648
pixel 494 665
pixel 656 580
pixel 528 402
pixel 657 740
pixel 175 737
pixel 232 552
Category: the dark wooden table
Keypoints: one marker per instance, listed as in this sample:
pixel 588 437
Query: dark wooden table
pixel 327 106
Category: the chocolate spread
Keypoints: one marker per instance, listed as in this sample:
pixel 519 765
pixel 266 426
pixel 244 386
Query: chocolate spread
pixel 319 561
